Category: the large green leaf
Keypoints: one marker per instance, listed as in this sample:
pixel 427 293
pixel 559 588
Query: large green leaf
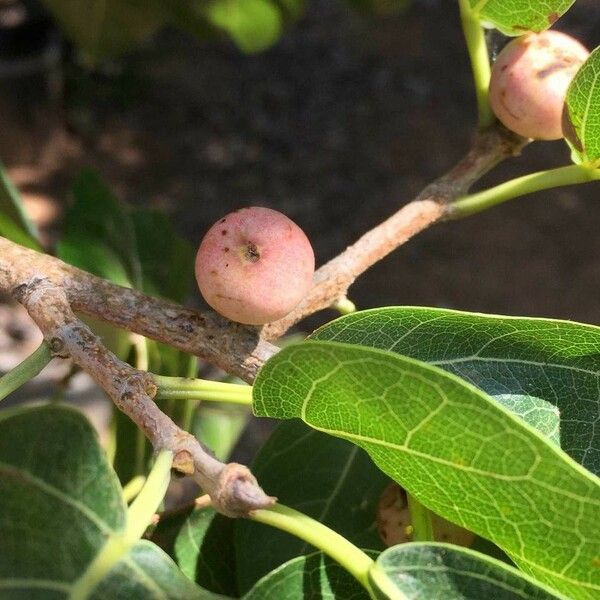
pixel 541 414
pixel 516 17
pixel 60 507
pixel 557 361
pixel 59 499
pixel 313 576
pixel 581 117
pixel 453 447
pixel 433 570
pixel 324 477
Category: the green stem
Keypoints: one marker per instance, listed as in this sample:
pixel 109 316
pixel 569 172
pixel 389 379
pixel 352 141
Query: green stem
pixel 25 371
pixel 480 62
pixel 420 519
pixel 183 388
pixel 142 509
pixel 133 488
pixel 189 408
pixel 142 362
pixel 353 559
pixel 139 516
pixel 543 180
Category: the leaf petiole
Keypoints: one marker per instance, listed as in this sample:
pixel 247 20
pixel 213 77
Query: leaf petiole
pixel 353 559
pixel 148 500
pixel 184 388
pixel 480 62
pixel 534 182
pixel 420 518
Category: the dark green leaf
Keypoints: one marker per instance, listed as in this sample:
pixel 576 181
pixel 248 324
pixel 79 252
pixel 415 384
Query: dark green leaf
pixel 453 447
pixel 554 360
pixel 96 219
pixel 516 17
pixel 132 451
pixel 204 551
pixel 147 572
pixel 315 576
pixel 581 118
pixel 167 260
pixel 326 478
pixel 59 499
pixel 432 570
pixel 60 507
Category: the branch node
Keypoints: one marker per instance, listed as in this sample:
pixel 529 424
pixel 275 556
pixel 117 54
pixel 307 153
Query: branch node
pixel 183 461
pixel 238 493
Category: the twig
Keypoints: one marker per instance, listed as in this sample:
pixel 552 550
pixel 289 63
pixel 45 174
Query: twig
pixel 333 279
pixel 232 488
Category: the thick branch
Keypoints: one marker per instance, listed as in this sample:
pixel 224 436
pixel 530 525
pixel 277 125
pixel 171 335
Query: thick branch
pixel 232 488
pixel 235 348
pixel 333 279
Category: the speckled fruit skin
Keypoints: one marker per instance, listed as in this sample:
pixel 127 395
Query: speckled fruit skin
pixel 254 265
pixel 529 82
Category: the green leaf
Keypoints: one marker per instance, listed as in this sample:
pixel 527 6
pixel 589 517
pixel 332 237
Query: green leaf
pixel 453 447
pixel 313 576
pixel 201 542
pixel 581 117
pixel 97 218
pixel 219 426
pixel 254 25
pixel 167 260
pixel 61 507
pixel 102 28
pixel 205 553
pixel 147 572
pixel 13 214
pixel 93 256
pixel 433 570
pixel 541 414
pixel 11 231
pixel 516 17
pixel 343 481
pixel 59 499
pixel 554 360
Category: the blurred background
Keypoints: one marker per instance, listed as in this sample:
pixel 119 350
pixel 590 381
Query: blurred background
pixel 335 112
